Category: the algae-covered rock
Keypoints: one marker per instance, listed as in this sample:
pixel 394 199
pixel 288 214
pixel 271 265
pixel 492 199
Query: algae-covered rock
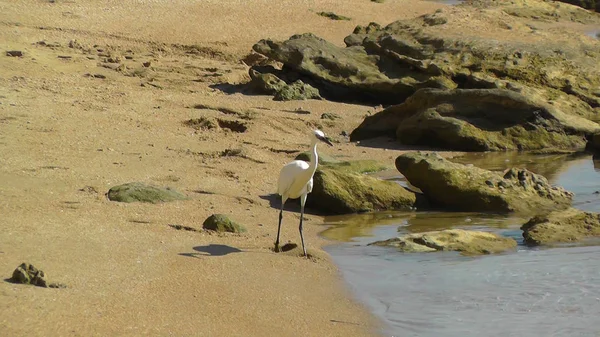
pixel 296 91
pixel 132 192
pixel 477 120
pixel 347 72
pixel 266 83
pixel 386 65
pixel 467 188
pixel 343 187
pixel 593 143
pixel 464 241
pixel 28 274
pixel 339 192
pixel 333 16
pixel 587 4
pixel 222 223
pixel 570 225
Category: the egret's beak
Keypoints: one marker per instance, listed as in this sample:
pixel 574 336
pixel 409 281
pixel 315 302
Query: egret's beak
pixel 326 141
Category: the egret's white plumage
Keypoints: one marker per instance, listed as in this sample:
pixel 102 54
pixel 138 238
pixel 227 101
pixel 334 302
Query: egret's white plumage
pixel 296 181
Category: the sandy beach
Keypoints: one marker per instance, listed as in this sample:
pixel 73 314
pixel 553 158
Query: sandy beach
pixel 100 97
pixel 70 129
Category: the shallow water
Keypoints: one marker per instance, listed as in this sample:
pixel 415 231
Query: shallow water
pixel 594 33
pixel 528 292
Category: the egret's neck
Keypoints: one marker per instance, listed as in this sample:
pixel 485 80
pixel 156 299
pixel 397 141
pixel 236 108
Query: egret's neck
pixel 314 157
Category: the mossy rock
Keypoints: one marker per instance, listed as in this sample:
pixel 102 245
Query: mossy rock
pixel 333 16
pixel 266 83
pixel 566 226
pixel 339 190
pixel 477 120
pixel 28 274
pixel 464 241
pixel 222 223
pixel 593 143
pixel 386 65
pixel 297 91
pixel 139 192
pixel 458 187
pixel 587 4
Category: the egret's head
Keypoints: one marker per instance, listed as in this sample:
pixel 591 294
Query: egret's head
pixel 319 135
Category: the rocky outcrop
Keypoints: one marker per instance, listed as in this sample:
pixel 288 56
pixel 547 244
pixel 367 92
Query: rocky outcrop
pixel 478 120
pixel 343 187
pixel 537 86
pixel 389 64
pixel 566 226
pixel 464 241
pixel 459 187
pixel 139 192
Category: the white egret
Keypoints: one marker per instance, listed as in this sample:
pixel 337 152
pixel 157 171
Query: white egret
pixel 296 181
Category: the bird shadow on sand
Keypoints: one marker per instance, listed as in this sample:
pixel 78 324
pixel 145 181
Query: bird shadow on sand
pixel 212 250
pixel 292 205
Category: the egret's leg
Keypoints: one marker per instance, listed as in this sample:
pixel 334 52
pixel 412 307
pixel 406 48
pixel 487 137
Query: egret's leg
pixel 279 226
pixel 302 202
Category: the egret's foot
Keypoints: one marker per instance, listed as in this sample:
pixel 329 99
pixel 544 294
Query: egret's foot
pixel 276 248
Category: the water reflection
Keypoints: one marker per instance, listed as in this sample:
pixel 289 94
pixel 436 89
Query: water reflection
pixel 347 227
pixel 436 221
pixel 594 33
pixel 548 165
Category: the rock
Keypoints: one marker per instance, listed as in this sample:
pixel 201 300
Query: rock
pixel 254 59
pixel 593 143
pixel 570 225
pixel 464 241
pixel 14 53
pixel 477 120
pixel 330 116
pixel 389 64
pixel 347 72
pixel 341 188
pixel 28 274
pixel 587 4
pixel 222 223
pixel 266 83
pixel 297 91
pixel 333 16
pixel 135 191
pixel 468 188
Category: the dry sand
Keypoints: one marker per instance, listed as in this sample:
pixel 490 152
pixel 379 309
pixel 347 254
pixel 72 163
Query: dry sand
pixel 66 138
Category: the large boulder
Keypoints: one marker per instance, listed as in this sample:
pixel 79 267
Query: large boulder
pixel 464 241
pixel 467 188
pixel 565 226
pixel 343 187
pixel 478 120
